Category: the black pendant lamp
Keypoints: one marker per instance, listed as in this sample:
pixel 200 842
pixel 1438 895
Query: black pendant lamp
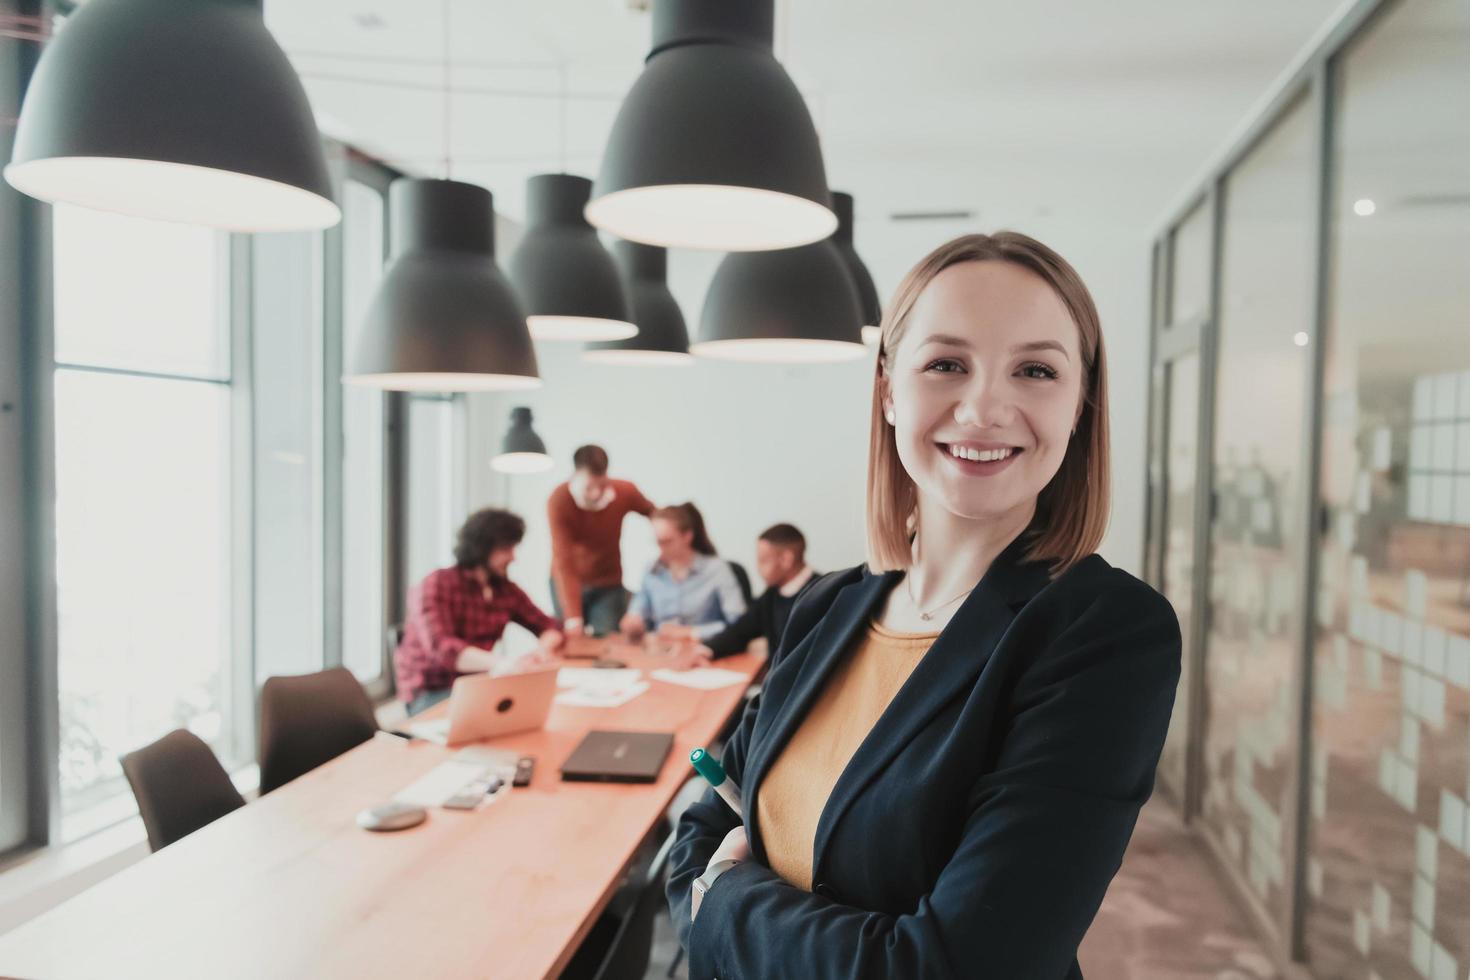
pixel 521 451
pixel 794 305
pixel 662 339
pixel 180 110
pixel 867 292
pixel 444 318
pixel 566 280
pixel 713 146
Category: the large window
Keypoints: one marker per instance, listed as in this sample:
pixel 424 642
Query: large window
pixel 289 502
pixel 364 462
pixel 433 507
pixel 19 429
pixel 143 496
pixel 1389 857
pixel 219 507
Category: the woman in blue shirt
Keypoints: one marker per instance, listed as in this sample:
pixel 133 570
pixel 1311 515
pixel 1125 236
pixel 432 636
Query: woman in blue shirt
pixel 688 593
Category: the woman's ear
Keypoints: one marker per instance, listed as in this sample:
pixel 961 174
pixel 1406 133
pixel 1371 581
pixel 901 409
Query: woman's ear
pixel 885 395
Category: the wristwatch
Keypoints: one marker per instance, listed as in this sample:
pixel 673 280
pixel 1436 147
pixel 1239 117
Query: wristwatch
pixel 705 882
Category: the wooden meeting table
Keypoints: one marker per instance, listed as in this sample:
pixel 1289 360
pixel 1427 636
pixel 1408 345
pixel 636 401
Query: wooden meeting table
pixel 289 886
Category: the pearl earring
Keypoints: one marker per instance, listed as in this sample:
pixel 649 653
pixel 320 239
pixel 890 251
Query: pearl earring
pixel 888 415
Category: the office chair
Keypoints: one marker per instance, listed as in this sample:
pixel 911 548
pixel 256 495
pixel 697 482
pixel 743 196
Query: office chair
pixel 180 786
pixel 620 942
pixel 742 577
pixel 310 719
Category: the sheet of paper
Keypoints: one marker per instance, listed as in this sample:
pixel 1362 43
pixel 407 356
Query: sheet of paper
pixel 605 696
pixel 440 783
pixel 701 678
pixel 597 676
pixel 431 731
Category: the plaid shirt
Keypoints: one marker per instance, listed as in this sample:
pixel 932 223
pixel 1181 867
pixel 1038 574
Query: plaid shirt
pixel 447 612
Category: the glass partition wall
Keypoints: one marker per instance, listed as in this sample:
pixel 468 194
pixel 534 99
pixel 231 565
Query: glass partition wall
pixel 1309 475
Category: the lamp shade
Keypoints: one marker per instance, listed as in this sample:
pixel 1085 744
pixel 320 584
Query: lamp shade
pixel 662 339
pixel 713 146
pixel 180 110
pixel 861 280
pixel 566 280
pixel 443 318
pixel 792 305
pixel 521 451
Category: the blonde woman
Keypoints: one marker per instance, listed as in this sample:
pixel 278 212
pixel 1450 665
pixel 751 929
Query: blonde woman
pixel 944 769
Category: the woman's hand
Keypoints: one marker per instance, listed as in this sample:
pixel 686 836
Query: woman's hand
pixel 676 633
pixel 734 847
pixel 550 641
pixel 688 656
pixel 632 626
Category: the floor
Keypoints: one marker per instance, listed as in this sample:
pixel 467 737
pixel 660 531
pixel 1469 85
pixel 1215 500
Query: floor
pixel 1166 917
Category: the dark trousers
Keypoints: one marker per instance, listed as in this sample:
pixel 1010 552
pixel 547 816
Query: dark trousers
pixel 603 607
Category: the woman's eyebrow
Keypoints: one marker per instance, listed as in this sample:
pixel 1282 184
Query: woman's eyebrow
pixel 1037 345
pixel 947 339
pixel 950 340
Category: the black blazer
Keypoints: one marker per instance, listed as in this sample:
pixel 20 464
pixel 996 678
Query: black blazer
pixel 976 829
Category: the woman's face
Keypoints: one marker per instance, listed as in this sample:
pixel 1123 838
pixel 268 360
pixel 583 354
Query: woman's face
pixel 674 546
pixel 985 388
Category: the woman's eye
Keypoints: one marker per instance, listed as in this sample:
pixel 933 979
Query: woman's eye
pixel 945 365
pixel 1038 370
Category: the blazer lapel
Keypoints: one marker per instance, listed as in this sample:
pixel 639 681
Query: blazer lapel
pixel 948 670
pixel 830 640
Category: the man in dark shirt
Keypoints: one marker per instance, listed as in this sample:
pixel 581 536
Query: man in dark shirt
pixel 780 558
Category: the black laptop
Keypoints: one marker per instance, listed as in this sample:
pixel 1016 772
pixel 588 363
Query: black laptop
pixel 618 757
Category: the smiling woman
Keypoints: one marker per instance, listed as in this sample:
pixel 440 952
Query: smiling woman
pixel 1009 395
pixel 1013 694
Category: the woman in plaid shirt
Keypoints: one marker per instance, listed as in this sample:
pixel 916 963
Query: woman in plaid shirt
pixel 456 614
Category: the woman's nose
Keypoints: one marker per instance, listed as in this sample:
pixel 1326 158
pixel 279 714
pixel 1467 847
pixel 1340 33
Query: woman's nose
pixel 983 404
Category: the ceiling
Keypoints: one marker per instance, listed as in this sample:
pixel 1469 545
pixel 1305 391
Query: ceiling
pixel 1044 115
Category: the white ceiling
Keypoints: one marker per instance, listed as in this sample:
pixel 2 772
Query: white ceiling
pixel 1040 115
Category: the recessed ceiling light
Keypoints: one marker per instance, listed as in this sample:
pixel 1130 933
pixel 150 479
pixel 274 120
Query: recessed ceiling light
pixel 1300 338
pixel 1364 206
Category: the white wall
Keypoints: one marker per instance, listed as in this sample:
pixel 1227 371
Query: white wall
pixel 757 444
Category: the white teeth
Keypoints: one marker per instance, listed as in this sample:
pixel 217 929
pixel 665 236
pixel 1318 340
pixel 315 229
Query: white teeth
pixel 979 455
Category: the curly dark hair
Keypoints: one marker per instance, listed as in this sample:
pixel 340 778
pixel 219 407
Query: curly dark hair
pixel 485 531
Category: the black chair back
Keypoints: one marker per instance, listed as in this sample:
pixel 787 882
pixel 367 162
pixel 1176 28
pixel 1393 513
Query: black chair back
pixel 743 578
pixel 310 719
pixel 180 786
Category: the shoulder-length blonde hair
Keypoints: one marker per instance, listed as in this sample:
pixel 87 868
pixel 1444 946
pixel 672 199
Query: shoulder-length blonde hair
pixel 1071 510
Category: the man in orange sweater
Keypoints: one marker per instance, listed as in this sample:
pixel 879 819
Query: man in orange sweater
pixel 586 517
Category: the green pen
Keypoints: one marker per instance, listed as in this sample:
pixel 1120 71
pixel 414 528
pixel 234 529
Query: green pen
pixel 709 767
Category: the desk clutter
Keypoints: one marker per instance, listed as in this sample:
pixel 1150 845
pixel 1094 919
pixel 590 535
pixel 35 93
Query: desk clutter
pixel 475 777
pixel 412 785
pixel 598 687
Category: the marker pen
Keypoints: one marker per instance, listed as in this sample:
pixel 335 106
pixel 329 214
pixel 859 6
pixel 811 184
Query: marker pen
pixel 709 767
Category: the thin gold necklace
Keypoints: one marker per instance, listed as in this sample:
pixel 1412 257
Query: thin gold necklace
pixel 908 584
